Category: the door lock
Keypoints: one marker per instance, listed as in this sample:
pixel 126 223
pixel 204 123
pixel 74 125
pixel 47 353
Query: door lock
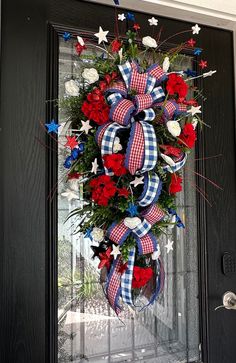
pixel 229 301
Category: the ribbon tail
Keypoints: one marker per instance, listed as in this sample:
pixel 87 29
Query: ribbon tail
pixel 113 287
pixel 126 279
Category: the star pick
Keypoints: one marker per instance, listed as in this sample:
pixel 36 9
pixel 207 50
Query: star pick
pixel 132 210
pixel 191 42
pixel 197 51
pixel 85 126
pixel 137 181
pixel 169 246
pixel 71 142
pixel 202 64
pixel 52 127
pixel 70 195
pixel 153 21
pixel 136 27
pixel 196 29
pixel 208 74
pixel 115 251
pixel 102 35
pixel 121 17
pixel 66 36
pixel 193 110
pixel 94 166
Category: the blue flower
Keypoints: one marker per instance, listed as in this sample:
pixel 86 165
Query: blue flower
pixel 132 210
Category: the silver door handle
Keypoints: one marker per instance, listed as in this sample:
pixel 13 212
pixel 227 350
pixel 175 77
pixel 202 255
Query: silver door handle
pixel 229 301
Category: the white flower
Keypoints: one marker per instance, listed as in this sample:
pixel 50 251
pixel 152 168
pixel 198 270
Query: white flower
pixel 90 75
pixel 97 234
pixel 166 64
pixel 149 42
pixel 168 160
pixel 71 87
pixel 173 128
pixel 80 41
pixel 117 145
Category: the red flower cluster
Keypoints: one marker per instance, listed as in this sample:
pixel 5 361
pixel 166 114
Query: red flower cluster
pixel 116 45
pixel 141 275
pixel 95 107
pixel 115 162
pixel 171 150
pixel 176 85
pixel 175 184
pixel 107 80
pixel 103 188
pixel 188 136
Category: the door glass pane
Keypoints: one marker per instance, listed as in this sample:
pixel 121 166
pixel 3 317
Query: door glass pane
pixel 88 329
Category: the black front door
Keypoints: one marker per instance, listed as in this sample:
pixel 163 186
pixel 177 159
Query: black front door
pixel 184 326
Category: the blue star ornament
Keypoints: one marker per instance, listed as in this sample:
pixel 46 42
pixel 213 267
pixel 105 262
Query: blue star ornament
pixel 190 73
pixel 197 51
pixel 88 233
pixel 52 127
pixel 130 16
pixel 116 2
pixel 66 36
pixel 132 210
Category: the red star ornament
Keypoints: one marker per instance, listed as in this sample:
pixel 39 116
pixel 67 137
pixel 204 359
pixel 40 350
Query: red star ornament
pixel 191 42
pixel 71 142
pixel 136 26
pixel 203 64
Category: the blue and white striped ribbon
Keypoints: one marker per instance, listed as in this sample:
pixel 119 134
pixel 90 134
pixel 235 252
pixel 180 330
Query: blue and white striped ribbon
pixel 151 190
pixel 176 167
pixel 150 140
pixel 126 279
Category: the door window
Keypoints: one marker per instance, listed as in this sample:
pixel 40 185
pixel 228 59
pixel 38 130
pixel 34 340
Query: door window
pixel 88 330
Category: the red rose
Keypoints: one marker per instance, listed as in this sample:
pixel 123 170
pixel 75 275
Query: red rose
pixel 176 85
pixel 103 188
pixel 175 184
pixel 141 275
pixel 115 162
pixel 116 45
pixel 188 136
pixel 95 107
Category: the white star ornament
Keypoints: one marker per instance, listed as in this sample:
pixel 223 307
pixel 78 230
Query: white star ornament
pixel 153 21
pixel 85 126
pixel 169 246
pixel 137 181
pixel 115 251
pixel 196 29
pixel 102 35
pixel 94 166
pixel 121 17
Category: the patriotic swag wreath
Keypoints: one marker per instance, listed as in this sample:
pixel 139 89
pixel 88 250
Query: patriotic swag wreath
pixel 131 127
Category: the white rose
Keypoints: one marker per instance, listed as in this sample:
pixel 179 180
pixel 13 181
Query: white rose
pixel 71 87
pixel 90 75
pixel 117 145
pixel 97 234
pixel 149 42
pixel 173 128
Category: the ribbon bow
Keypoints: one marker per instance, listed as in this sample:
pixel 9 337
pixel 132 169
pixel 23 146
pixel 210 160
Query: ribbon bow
pixel 118 285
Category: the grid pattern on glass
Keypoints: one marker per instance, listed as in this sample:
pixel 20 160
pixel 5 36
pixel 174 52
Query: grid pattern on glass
pixel 88 328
